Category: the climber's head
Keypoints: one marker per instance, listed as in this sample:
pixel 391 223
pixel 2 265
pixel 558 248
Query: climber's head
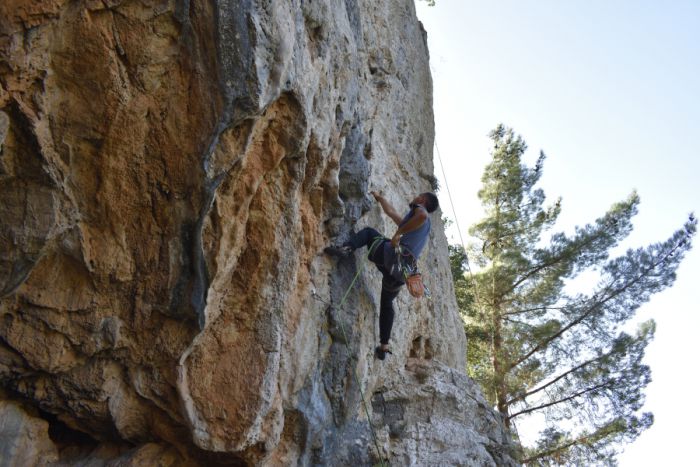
pixel 428 200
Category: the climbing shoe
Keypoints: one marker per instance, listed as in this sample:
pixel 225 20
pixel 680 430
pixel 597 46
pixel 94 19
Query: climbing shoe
pixel 338 251
pixel 381 353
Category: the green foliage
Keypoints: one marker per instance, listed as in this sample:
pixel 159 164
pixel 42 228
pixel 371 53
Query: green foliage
pixel 535 349
pixel 434 182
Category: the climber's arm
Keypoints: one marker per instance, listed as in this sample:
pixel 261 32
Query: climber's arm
pixel 417 219
pixel 387 207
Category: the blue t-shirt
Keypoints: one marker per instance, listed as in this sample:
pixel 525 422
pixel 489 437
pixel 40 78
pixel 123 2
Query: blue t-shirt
pixel 413 241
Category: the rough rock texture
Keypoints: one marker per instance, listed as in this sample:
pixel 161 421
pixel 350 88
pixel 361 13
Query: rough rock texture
pixel 169 174
pixel 24 440
pixel 430 414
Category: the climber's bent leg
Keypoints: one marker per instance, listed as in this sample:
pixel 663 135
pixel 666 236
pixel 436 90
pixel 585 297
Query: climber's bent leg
pixel 364 237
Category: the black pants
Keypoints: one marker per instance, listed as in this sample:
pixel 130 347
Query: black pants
pixel 390 286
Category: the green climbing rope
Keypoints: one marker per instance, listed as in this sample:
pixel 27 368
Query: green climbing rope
pixel 345 338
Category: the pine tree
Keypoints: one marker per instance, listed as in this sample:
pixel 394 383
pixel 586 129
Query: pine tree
pixel 536 349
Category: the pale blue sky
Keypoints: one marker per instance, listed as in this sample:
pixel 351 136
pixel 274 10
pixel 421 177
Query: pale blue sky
pixel 610 91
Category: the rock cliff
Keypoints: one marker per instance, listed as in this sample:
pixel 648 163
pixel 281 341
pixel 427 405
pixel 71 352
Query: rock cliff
pixel 170 172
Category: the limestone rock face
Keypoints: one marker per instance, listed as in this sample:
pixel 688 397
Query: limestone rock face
pixel 430 414
pixel 170 172
pixel 24 440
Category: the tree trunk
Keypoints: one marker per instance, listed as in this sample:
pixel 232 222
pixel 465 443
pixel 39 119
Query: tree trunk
pixel 499 366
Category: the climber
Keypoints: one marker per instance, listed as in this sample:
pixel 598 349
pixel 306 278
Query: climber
pixel 412 235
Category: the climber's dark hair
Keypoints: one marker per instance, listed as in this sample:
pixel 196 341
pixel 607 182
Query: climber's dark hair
pixel 431 203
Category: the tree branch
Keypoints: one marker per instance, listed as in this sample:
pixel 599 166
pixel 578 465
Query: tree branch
pixel 543 344
pixel 543 308
pixel 558 378
pixel 553 261
pixel 549 404
pixel 515 321
pixel 549 452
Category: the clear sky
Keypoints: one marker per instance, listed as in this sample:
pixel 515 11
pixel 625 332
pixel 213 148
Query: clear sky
pixel 610 91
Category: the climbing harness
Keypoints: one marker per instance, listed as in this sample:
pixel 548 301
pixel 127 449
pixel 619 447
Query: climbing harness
pixel 376 241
